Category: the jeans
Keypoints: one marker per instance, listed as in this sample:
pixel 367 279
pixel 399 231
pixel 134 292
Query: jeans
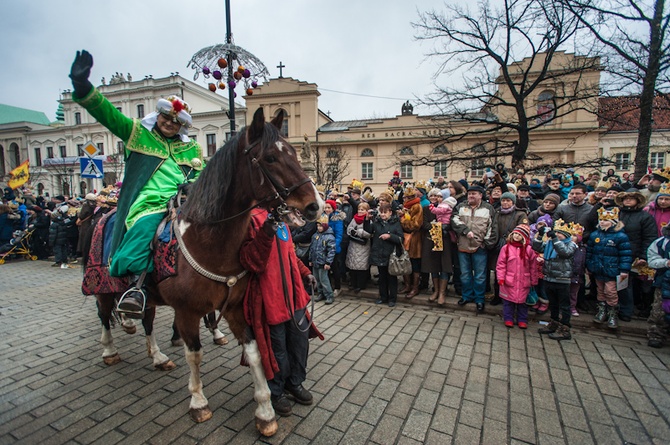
pixel 322 282
pixel 473 275
pixel 290 347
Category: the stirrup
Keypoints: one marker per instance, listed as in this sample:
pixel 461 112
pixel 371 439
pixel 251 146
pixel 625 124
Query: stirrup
pixel 138 315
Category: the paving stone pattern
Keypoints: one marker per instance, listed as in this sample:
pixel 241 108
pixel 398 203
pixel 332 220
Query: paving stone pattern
pixel 407 375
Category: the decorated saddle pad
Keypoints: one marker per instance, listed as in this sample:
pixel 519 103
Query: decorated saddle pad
pixel 96 272
pixel 165 254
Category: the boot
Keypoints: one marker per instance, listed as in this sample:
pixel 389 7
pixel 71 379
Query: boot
pixel 562 333
pixel 133 301
pixel 601 316
pixel 550 328
pixel 443 292
pixel 407 283
pixel 416 280
pixel 613 317
pixel 436 290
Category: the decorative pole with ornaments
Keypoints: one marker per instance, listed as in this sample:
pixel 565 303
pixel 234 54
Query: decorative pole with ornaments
pixel 228 66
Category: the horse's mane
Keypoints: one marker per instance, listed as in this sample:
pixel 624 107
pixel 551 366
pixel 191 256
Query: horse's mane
pixel 210 195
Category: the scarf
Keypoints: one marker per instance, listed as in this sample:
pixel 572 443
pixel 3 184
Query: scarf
pixel 507 211
pixel 408 204
pixel 550 252
pixel 521 246
pixel 359 218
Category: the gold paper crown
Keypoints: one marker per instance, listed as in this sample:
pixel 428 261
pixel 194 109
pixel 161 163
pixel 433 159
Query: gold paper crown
pixel 663 173
pixel 571 228
pixel 355 183
pixel 323 219
pixel 421 184
pixel 612 214
pixel 409 190
pixel 665 189
pixel 368 196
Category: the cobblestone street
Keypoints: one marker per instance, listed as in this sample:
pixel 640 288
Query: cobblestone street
pixel 407 375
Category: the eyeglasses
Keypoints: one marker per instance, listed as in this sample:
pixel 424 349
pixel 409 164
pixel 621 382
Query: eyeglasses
pixel 174 119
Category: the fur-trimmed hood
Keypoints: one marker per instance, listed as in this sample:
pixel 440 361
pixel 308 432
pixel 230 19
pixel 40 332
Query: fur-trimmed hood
pixel 641 200
pixel 337 216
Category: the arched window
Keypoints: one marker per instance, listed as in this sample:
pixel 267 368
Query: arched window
pixel 284 124
pixel 406 151
pixel 440 150
pixel 367 153
pixel 14 155
pixel 546 107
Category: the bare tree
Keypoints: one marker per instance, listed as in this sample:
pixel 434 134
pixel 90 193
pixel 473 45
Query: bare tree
pixel 332 165
pixel 635 33
pixel 505 56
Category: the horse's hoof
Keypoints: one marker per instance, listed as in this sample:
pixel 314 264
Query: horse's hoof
pixel 130 330
pixel 112 359
pixel 267 428
pixel 178 342
pixel 200 415
pixel 221 341
pixel 167 366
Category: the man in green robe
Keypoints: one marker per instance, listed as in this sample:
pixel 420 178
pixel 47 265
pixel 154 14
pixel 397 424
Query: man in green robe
pixel 159 156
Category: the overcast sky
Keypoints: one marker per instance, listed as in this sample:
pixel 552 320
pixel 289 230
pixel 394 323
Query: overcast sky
pixel 358 47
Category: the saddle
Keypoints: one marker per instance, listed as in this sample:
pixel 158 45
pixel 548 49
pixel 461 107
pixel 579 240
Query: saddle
pixel 96 270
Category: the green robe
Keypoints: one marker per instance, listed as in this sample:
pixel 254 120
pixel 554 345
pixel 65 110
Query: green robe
pixel 155 166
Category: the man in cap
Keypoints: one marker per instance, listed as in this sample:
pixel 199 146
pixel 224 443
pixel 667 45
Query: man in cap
pixel 159 156
pixel 474 222
pixel 523 194
pixel 650 184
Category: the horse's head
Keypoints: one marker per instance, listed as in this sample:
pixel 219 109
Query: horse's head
pixel 282 185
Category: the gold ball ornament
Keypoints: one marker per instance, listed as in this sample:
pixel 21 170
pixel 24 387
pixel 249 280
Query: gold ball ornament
pixel 222 86
pixel 240 69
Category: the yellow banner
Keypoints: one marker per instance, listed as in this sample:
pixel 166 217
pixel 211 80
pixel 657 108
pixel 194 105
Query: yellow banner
pixel 20 175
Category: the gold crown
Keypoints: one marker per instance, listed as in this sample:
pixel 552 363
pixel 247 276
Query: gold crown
pixel 323 219
pixel 421 184
pixel 663 173
pixel 355 183
pixel 571 228
pixel 612 214
pixel 665 189
pixel 368 196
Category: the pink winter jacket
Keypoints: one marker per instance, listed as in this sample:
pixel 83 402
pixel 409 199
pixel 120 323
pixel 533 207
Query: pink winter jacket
pixel 518 275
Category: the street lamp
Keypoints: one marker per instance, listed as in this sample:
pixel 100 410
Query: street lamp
pixel 70 172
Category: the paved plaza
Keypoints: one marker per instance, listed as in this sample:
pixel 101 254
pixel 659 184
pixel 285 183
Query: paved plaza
pixel 407 375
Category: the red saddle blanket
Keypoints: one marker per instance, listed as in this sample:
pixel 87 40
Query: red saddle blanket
pixel 96 271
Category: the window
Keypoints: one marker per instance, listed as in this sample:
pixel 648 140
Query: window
pixel 331 173
pixel 440 169
pixel 211 144
pixel 366 170
pixel 284 124
pixel 101 148
pixel 477 168
pixel 367 153
pixel 119 147
pixel 657 160
pixel 63 152
pixel 440 150
pixel 622 161
pixel 77 118
pixel 80 150
pixel 546 107
pixel 140 111
pixel 50 152
pixel 14 155
pixel 38 156
pixel 2 161
pixel 332 153
pixel 406 151
pixel 406 171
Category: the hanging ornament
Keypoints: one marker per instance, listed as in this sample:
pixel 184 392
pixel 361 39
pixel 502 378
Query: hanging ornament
pixel 217 75
pixel 237 75
pixel 222 86
pixel 205 71
pixel 240 69
pixel 223 63
pixel 250 91
pixel 254 84
pixel 212 87
pixel 246 74
pixel 232 84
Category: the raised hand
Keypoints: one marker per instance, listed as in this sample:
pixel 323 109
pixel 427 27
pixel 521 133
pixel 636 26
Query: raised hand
pixel 80 71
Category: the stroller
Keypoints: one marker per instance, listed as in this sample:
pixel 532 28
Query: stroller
pixel 18 245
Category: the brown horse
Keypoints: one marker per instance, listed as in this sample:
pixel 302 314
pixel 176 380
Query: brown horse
pixel 257 168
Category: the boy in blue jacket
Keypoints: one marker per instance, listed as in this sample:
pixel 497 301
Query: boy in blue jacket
pixel 321 257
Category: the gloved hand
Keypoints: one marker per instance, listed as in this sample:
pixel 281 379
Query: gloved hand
pixel 269 227
pixel 352 233
pixel 79 73
pixel 501 282
pixel 311 280
pixel 551 234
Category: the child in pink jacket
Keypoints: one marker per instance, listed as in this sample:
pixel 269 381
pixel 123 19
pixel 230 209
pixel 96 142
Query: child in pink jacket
pixel 442 210
pixel 516 274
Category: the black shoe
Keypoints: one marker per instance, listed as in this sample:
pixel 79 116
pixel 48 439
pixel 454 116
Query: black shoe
pixel 625 318
pixel 655 343
pixel 391 303
pixel 496 301
pixel 380 301
pixel 329 300
pixel 300 394
pixel 357 290
pixel 281 405
pixel 463 302
pixel 480 308
pixel 319 298
pixel 132 303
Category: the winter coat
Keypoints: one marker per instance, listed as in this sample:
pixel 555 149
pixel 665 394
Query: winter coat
pixel 6 228
pixel 608 254
pixel 658 255
pixel 482 222
pixel 578 264
pixel 358 255
pixel 640 228
pixel 322 248
pixel 518 273
pixel 381 249
pixel 570 212
pixel 58 230
pixel 411 224
pixel 336 222
pixel 434 261
pixel 661 216
pixel 559 268
pixel 536 214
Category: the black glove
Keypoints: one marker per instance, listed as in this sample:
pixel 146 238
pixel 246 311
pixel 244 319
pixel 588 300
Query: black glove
pixel 269 227
pixel 311 280
pixel 352 233
pixel 79 73
pixel 551 234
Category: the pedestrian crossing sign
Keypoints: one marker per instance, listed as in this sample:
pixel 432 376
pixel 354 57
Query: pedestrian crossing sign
pixel 91 168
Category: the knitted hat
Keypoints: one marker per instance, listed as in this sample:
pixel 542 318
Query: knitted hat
pixel 509 195
pixel 464 183
pixel 524 231
pixel 616 187
pixel 451 201
pixel 512 187
pixel 553 197
pixel 396 173
pixel 90 197
pixel 332 203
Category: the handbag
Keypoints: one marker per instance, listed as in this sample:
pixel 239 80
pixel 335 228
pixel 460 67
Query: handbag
pixel 399 264
pixel 531 299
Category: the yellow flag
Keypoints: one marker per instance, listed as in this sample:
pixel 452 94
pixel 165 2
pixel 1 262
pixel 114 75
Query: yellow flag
pixel 20 175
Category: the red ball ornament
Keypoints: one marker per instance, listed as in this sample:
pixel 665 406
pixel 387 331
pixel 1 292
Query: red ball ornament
pixel 237 75
pixel 212 87
pixel 250 91
pixel 222 63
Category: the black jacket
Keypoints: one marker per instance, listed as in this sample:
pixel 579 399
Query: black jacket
pixel 381 249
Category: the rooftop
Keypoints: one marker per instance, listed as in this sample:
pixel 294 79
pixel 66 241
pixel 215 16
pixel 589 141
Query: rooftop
pixel 10 114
